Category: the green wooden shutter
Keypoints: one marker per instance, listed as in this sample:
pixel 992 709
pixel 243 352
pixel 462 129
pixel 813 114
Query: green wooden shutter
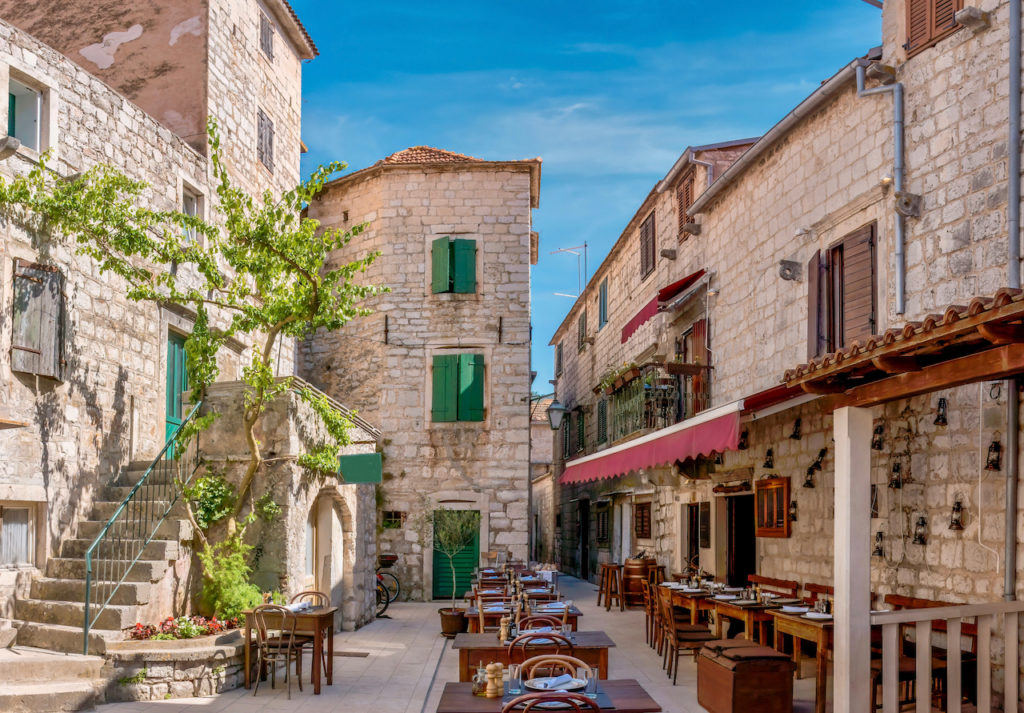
pixel 465 562
pixel 602 306
pixel 464 265
pixel 471 387
pixel 440 265
pixel 581 433
pixel 12 107
pixel 445 390
pixel 602 420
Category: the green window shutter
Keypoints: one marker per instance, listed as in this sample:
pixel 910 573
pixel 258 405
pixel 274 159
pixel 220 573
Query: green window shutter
pixel 566 441
pixel 471 387
pixel 602 307
pixel 440 265
pixel 12 107
pixel 464 265
pixel 445 379
pixel 581 433
pixel 602 420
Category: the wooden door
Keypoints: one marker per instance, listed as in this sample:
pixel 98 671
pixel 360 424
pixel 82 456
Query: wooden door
pixel 177 382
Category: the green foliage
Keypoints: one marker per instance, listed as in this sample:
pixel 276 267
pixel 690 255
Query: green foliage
pixel 454 531
pixel 163 637
pixel 322 458
pixel 266 509
pixel 137 678
pixel 212 499
pixel 226 588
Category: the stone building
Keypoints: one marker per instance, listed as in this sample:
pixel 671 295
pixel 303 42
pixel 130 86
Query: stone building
pixel 444 359
pixel 542 490
pixel 825 250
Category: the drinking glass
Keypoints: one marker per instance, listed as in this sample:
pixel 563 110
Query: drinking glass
pixel 590 691
pixel 515 683
pixel 568 603
pixel 567 632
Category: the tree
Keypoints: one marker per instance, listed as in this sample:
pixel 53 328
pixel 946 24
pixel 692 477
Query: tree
pixel 261 271
pixel 454 531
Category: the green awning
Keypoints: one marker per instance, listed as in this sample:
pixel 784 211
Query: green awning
pixel 360 468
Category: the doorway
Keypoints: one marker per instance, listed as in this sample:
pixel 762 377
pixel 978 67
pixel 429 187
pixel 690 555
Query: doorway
pixel 464 564
pixel 583 525
pixel 741 555
pixel 177 383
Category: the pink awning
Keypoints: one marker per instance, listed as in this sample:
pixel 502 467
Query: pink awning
pixel 658 303
pixel 714 430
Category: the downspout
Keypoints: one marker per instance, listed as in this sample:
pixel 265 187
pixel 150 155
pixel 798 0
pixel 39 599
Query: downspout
pixel 706 164
pixel 1013 240
pixel 897 170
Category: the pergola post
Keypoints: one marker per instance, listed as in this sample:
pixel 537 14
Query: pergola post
pixel 852 563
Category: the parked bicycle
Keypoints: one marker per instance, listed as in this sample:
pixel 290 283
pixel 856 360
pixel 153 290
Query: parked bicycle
pixel 388 586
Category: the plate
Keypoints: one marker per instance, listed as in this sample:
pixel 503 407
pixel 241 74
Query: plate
pixel 691 590
pixel 732 589
pixel 746 602
pixel 572 685
pixel 796 610
pixel 725 597
pixel 817 615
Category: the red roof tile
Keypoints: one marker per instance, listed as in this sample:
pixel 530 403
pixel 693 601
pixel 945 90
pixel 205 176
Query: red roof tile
pixel 428 154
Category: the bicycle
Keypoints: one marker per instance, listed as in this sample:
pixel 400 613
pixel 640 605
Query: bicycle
pixel 382 597
pixel 387 579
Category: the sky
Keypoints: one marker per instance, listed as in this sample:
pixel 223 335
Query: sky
pixel 608 94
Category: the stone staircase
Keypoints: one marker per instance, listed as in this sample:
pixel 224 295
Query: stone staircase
pixel 42 681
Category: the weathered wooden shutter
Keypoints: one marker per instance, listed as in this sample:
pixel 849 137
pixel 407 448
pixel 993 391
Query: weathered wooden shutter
pixel 684 198
pixel 602 420
pixel 37 336
pixel 566 439
pixel 558 359
pixel 463 265
pixel 266 36
pixel 642 520
pixel 471 387
pixel 602 304
pixel 858 286
pixel 701 355
pixel 581 433
pixel 441 265
pixel 647 246
pixel 581 331
pixel 264 139
pixel 815 308
pixel 445 388
pixel 928 21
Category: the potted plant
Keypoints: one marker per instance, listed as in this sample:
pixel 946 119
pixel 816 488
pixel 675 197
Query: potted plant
pixel 454 531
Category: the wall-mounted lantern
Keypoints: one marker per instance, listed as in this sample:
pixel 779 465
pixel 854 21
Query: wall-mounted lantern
pixel 995 454
pixel 921 531
pixel 879 550
pixel 956 519
pixel 769 460
pixel 896 479
pixel 940 415
pixel 877 443
pixel 792 510
pixel 795 435
pixel 742 445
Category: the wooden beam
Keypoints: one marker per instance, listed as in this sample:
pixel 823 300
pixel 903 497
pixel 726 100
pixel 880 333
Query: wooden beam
pixel 1002 333
pixel 823 387
pixel 896 364
pixel 998 363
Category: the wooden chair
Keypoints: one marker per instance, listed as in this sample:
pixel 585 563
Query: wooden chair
pixel 815 591
pixel 782 587
pixel 538 639
pixel 645 590
pixel 677 635
pixel 575 702
pixel 481 603
pixel 303 636
pixel 538 620
pixel 275 642
pixel 554 665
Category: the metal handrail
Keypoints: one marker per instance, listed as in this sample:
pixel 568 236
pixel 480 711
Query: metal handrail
pixel 121 542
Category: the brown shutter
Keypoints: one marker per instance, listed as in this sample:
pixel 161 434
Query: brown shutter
pixel 943 17
pixel 814 306
pixel 684 197
pixel 701 394
pixel 918 24
pixel 858 285
pixel 647 246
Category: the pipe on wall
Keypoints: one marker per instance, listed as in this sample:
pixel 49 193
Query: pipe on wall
pixel 898 170
pixel 1013 280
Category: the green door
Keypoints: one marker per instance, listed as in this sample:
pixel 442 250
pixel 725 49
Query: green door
pixel 177 382
pixel 465 562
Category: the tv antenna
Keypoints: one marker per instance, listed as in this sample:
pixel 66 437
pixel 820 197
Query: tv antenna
pixel 581 267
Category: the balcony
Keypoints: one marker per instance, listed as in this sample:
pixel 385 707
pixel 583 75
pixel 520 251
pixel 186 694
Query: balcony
pixel 655 396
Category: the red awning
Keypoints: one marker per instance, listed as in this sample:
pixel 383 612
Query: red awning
pixel 714 430
pixel 658 303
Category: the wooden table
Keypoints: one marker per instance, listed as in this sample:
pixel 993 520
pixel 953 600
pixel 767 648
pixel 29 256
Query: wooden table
pixel 694 602
pixel 752 616
pixel 475 650
pixel 314 621
pixel 817 630
pixel 494 618
pixel 627 695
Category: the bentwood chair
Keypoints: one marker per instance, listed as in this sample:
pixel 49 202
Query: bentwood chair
pixel 539 620
pixel 678 635
pixel 536 639
pixel 275 642
pixel 575 702
pixel 555 665
pixel 303 636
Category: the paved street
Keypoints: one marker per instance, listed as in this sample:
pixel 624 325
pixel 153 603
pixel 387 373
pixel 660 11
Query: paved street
pixel 408 663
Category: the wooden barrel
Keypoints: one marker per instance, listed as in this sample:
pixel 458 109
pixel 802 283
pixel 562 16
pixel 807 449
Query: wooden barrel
pixel 635 572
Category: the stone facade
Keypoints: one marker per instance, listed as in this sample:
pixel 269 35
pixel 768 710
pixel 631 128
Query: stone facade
pixel 406 202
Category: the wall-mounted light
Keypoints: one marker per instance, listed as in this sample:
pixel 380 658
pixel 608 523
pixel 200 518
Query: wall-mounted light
pixel 792 510
pixel 769 459
pixel 742 445
pixel 956 519
pixel 809 478
pixel 995 454
pixel 877 442
pixel 879 550
pixel 556 412
pixel 817 461
pixel 795 435
pixel 940 413
pixel 896 479
pixel 921 531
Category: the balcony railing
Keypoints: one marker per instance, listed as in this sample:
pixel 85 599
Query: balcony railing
pixel 657 398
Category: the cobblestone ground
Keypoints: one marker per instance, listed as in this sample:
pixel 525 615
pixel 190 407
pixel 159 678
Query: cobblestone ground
pixel 407 663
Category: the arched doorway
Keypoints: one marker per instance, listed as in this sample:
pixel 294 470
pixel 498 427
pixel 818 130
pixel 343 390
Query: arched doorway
pixel 331 562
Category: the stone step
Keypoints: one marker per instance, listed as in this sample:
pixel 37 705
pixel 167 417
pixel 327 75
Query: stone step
pixel 163 550
pixel 73 590
pixel 52 697
pixel 30 665
pixel 133 474
pixel 143 571
pixel 113 616
pixel 105 509
pixel 57 637
pixel 170 529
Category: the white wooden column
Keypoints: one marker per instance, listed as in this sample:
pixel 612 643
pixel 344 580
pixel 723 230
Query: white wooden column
pixel 852 563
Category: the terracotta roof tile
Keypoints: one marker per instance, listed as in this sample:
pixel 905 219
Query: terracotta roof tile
pixel 428 154
pixel 302 28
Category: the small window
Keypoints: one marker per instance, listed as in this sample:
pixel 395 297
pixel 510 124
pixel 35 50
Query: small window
pixel 458 387
pixel 642 521
pixel 393 520
pixel 24 114
pixel 581 331
pixel 647 247
pixel 16 541
pixel 558 359
pixel 37 340
pixel 602 526
pixel 266 36
pixel 602 304
pixel 602 420
pixel 771 500
pixel 190 203
pixel 929 21
pixel 264 139
pixel 453 265
pixel 684 199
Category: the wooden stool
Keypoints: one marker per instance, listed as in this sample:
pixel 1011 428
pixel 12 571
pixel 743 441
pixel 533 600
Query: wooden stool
pixel 611 575
pixel 601 582
pixel 656 575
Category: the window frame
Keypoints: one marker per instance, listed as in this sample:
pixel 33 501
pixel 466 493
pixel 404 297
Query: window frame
pixel 559 366
pixel 30 533
pixel 393 519
pixel 39 95
pixel 827 300
pixel 191 236
pixel 453 401
pixel 602 529
pixel 771 507
pixel 642 515
pixel 453 268
pixel 684 199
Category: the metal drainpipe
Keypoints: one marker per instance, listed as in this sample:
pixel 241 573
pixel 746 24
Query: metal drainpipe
pixel 1013 235
pixel 897 170
pixel 706 164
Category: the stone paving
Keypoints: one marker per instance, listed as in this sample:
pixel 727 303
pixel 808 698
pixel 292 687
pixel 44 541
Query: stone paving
pixel 408 663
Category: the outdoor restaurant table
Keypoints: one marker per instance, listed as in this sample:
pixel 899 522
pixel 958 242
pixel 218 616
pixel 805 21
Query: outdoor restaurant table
pixel 493 618
pixel 751 615
pixel 627 695
pixel 314 620
pixel 817 630
pixel 694 602
pixel 476 650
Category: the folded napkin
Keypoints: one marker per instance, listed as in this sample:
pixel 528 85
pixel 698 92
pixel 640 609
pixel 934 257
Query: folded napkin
pixel 296 607
pixel 549 683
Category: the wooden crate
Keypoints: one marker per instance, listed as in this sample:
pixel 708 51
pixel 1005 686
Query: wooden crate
pixel 739 676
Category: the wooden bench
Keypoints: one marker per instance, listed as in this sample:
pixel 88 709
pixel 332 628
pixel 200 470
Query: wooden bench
pixel 782 587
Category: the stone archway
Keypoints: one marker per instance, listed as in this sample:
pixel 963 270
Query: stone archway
pixel 345 567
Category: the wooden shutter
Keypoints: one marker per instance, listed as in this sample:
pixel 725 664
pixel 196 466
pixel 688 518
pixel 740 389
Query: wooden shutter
pixel 684 199
pixel 642 521
pixel 266 36
pixel 566 439
pixel 471 387
pixel 558 359
pixel 647 246
pixel 440 265
pixel 37 338
pixel 602 420
pixel 929 21
pixel 581 433
pixel 12 110
pixel 815 308
pixel 602 304
pixel 701 355
pixel 264 139
pixel 445 388
pixel 463 265
pixel 857 283
pixel 581 331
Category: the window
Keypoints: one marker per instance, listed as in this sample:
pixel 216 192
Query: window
pixel 37 340
pixel 24 114
pixel 189 206
pixel 581 432
pixel 581 331
pixel 265 140
pixel 841 293
pixel 642 521
pixel 558 359
pixel 602 526
pixel 771 500
pixel 16 542
pixel 602 304
pixel 392 520
pixel 458 393
pixel 453 265
pixel 602 420
pixel 266 36
pixel 684 199
pixel 929 21
pixel 647 247
pixel 566 438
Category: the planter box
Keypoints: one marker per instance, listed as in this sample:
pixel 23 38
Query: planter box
pixel 736 676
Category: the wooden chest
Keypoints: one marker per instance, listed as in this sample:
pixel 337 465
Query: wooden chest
pixel 740 676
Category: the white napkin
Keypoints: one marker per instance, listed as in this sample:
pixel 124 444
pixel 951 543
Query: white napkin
pixel 294 607
pixel 549 683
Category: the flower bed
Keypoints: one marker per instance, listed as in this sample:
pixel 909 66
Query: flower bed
pixel 182 627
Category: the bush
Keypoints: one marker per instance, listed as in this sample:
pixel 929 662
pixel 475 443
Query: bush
pixel 227 590
pixel 183 627
pixel 212 499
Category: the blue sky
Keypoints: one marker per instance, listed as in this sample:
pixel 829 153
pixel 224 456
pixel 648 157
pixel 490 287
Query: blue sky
pixel 607 93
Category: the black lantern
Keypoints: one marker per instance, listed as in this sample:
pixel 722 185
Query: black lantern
pixel 995 457
pixel 742 445
pixel 817 461
pixel 769 459
pixel 956 519
pixel 896 479
pixel 809 478
pixel 876 439
pixel 795 435
pixel 879 550
pixel 920 531
pixel 940 416
pixel 792 510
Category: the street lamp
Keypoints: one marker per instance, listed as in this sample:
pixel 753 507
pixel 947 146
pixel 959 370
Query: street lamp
pixel 556 412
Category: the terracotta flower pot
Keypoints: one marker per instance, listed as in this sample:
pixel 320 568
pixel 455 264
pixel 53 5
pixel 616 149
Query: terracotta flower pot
pixel 453 621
